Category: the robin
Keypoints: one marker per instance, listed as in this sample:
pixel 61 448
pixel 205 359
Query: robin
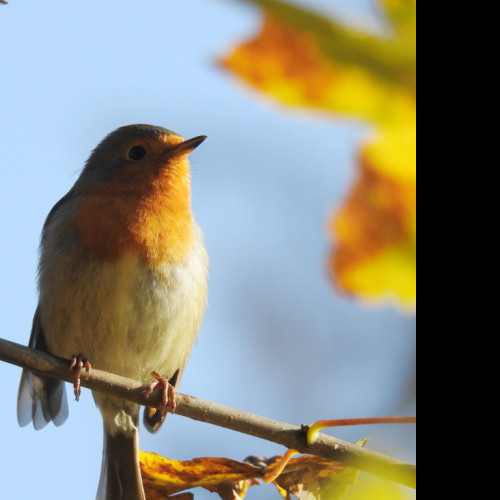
pixel 123 285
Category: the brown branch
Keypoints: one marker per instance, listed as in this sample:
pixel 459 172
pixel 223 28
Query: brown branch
pixel 205 411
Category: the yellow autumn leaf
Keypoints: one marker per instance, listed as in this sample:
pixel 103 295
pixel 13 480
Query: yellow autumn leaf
pixel 285 64
pixel 311 475
pixel 373 488
pixel 164 476
pixel 375 255
pixel 230 479
pixel 305 60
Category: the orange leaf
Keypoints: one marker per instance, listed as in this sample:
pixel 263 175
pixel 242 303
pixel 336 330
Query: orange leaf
pixel 375 253
pixel 288 65
pixel 303 59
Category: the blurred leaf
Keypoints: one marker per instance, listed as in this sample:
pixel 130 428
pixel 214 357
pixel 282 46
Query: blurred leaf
pixel 285 64
pixel 391 58
pixel 373 488
pixel 403 17
pixel 375 256
pixel 305 60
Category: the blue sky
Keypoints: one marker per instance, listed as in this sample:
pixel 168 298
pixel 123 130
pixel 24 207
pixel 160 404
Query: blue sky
pixel 276 340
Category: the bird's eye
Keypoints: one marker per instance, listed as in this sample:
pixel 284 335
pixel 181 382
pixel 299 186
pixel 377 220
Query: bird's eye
pixel 137 153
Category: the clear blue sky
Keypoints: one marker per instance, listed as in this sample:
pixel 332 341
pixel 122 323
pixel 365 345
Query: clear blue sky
pixel 276 340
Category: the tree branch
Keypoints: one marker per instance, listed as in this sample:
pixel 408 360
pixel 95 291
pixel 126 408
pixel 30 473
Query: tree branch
pixel 205 411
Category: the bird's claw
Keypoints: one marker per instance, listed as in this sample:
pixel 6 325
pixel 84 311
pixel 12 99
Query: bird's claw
pixel 78 364
pixel 167 402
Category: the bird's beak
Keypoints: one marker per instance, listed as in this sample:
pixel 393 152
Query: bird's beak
pixel 186 147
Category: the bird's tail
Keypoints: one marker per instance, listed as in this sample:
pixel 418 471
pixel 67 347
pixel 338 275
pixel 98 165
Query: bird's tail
pixel 120 474
pixel 40 399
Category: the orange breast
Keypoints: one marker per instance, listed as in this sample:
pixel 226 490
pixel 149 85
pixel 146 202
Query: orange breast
pixel 145 210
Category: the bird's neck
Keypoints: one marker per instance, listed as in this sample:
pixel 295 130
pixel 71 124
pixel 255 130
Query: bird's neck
pixel 147 213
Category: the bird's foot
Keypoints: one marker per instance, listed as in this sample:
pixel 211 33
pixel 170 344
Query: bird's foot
pixel 156 416
pixel 78 364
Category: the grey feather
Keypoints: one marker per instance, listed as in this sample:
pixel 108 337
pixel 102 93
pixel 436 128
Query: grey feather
pixel 40 399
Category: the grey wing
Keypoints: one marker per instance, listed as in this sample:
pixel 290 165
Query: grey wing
pixel 40 399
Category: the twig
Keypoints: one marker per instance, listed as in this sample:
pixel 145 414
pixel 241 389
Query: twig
pixel 205 411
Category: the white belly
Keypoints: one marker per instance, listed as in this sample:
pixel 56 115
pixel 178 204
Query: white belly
pixel 124 317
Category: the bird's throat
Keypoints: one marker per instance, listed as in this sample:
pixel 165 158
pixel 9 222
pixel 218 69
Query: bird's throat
pixel 148 214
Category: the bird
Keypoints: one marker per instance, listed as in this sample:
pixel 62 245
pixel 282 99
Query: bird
pixel 122 281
